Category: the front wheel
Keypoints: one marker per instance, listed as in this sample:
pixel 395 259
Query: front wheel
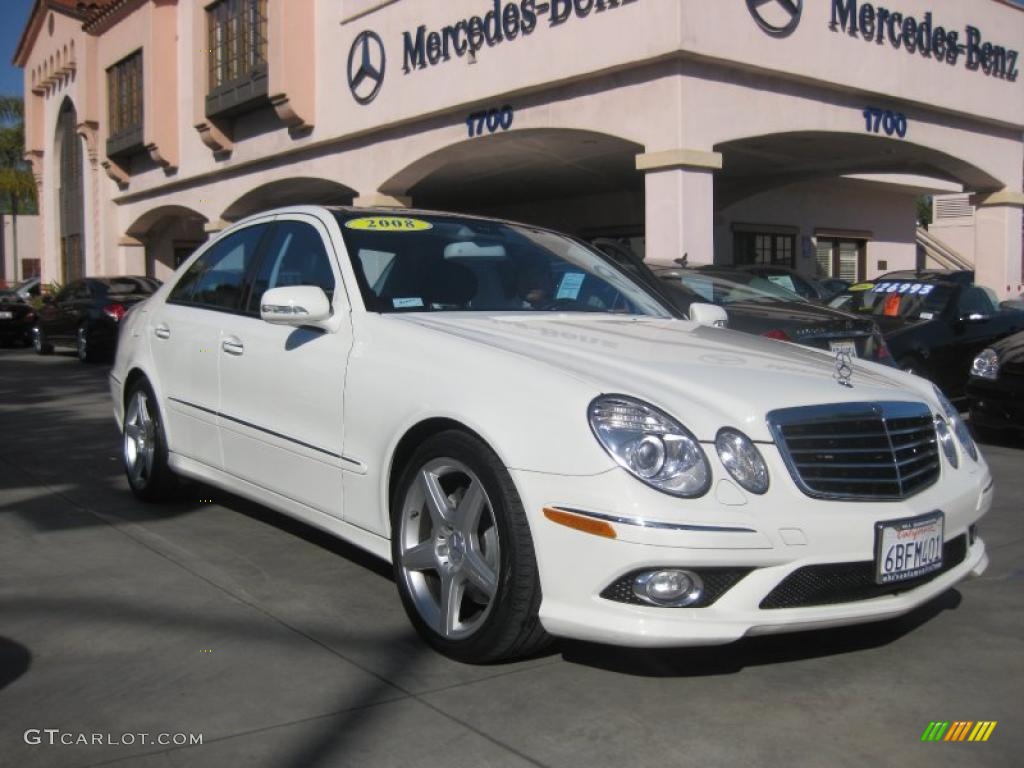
pixel 82 346
pixel 145 447
pixel 463 555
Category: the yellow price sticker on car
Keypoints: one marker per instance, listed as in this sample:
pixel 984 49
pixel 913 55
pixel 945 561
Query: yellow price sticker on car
pixel 861 287
pixel 389 224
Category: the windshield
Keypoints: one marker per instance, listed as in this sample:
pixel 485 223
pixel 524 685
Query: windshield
pixel 429 263
pixel 123 286
pixel 723 291
pixel 913 299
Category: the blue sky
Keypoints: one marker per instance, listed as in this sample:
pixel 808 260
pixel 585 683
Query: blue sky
pixel 12 20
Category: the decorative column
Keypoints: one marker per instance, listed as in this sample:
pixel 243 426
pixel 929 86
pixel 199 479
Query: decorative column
pixel 679 216
pixel 997 243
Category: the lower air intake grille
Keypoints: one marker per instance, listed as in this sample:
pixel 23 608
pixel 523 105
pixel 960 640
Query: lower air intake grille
pixel 849 451
pixel 835 583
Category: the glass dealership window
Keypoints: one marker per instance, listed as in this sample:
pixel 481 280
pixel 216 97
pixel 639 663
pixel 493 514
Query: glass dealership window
pixel 125 104
pixel 766 248
pixel 238 40
pixel 841 258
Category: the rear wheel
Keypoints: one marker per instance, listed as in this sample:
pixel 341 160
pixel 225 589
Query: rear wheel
pixel 39 342
pixel 145 447
pixel 462 553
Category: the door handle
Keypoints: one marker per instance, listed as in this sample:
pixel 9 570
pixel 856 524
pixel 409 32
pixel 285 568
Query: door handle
pixel 233 346
pixel 162 332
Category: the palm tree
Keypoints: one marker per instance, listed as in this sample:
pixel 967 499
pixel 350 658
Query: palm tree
pixel 16 182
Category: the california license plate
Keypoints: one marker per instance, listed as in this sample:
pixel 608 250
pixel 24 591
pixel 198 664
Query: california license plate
pixel 909 548
pixel 846 347
pixel 6 315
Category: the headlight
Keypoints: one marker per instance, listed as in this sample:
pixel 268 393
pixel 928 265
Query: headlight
pixel 651 445
pixel 946 441
pixel 986 365
pixel 741 457
pixel 963 434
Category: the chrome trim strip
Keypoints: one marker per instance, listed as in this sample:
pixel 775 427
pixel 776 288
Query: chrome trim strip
pixel 643 523
pixel 258 428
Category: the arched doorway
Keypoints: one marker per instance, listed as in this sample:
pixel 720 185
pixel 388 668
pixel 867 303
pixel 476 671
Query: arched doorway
pixel 290 191
pixel 70 195
pixel 169 233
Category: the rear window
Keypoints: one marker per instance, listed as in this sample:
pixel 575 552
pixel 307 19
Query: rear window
pixel 911 299
pixel 429 263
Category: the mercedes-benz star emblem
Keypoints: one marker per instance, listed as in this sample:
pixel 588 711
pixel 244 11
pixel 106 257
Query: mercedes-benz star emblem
pixel 844 368
pixel 777 17
pixel 366 64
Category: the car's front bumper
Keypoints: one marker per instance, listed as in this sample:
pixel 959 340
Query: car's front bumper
pixel 773 535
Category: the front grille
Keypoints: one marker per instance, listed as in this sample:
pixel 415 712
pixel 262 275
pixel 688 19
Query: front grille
pixel 717 581
pixel 834 583
pixel 880 451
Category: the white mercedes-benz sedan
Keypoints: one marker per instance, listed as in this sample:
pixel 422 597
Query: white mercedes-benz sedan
pixel 538 443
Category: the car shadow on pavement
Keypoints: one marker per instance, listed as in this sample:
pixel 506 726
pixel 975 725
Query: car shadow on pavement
pixel 729 659
pixel 15 659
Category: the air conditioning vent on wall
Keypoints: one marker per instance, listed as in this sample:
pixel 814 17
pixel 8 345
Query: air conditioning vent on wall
pixel 953 207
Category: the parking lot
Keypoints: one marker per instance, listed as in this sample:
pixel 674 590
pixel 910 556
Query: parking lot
pixel 282 646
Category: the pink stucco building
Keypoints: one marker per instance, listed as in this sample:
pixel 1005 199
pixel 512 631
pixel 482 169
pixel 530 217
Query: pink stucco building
pixel 789 131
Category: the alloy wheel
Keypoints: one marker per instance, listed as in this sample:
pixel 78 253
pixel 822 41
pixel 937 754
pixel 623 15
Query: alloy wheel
pixel 139 439
pixel 449 550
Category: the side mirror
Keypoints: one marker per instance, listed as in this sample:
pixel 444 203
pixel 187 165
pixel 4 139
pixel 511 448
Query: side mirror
pixel 295 305
pixel 709 314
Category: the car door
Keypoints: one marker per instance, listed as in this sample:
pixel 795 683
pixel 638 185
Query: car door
pixel 281 387
pixel 50 312
pixel 185 339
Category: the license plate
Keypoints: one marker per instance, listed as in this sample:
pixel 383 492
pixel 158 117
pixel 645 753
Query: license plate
pixel 6 315
pixel 909 548
pixel 846 347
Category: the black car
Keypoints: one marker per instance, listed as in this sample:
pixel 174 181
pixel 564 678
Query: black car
pixel 934 326
pixel 16 319
pixel 962 276
pixel 756 305
pixel 819 291
pixel 995 389
pixel 86 313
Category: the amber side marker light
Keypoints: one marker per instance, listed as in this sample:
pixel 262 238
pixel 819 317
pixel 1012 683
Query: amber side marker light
pixel 579 522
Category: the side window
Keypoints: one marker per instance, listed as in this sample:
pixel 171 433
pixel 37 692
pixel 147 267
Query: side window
pixel 82 291
pixel 217 278
pixel 67 293
pixel 295 255
pixel 974 301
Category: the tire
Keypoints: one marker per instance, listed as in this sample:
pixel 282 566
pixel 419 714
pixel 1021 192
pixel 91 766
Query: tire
pixel 82 346
pixel 39 342
pixel 144 446
pixel 482 554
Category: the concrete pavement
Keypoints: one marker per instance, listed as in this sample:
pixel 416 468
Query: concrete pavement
pixel 285 647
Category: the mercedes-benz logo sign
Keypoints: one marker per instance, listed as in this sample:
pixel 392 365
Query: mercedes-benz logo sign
pixel 366 65
pixel 776 17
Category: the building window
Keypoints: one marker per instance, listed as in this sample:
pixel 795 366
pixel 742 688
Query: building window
pixel 238 55
pixel 765 248
pixel 124 106
pixel 842 258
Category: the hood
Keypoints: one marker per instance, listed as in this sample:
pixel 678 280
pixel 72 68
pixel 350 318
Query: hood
pixel 799 316
pixel 705 377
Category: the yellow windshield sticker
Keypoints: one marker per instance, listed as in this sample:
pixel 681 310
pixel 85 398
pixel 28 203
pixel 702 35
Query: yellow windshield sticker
pixel 861 287
pixel 388 224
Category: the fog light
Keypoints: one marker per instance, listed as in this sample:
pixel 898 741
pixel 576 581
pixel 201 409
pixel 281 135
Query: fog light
pixel 669 588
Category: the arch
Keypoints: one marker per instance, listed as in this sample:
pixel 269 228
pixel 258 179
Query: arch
pixel 289 191
pixel 575 180
pixel 70 193
pixel 759 163
pixel 563 158
pixel 169 234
